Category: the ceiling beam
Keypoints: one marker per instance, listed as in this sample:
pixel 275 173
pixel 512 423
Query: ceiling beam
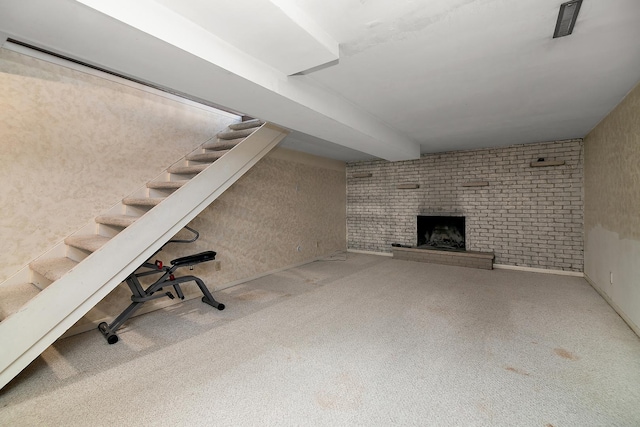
pixel 154 44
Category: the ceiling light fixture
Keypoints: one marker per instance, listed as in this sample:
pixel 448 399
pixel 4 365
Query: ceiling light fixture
pixel 567 18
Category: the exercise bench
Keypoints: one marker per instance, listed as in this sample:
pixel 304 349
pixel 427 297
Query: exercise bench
pixel 168 278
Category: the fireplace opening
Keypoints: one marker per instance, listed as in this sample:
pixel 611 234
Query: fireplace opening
pixel 441 232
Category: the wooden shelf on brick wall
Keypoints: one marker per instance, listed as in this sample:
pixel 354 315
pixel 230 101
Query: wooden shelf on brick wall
pixel 362 175
pixel 407 186
pixel 476 184
pixel 544 163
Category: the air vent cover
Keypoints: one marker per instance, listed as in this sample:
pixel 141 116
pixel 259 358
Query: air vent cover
pixel 567 18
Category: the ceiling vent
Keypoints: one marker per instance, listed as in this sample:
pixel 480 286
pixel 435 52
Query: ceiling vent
pixel 567 18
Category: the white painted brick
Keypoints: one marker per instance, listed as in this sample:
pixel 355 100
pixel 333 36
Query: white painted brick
pixel 527 216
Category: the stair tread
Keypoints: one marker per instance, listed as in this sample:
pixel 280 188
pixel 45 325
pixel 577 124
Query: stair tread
pixel 142 201
pixel 188 170
pixel 234 134
pixel 12 297
pixel 222 144
pixel 88 242
pixel 117 220
pixel 53 268
pixel 254 123
pixel 210 157
pixel 167 185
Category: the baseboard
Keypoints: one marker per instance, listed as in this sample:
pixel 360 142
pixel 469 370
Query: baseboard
pixel 277 270
pixel 498 266
pixel 613 305
pixel 356 251
pixel 539 270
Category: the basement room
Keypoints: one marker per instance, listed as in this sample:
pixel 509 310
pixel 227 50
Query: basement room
pixel 336 213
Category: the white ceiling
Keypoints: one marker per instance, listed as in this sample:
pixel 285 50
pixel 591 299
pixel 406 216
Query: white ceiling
pixel 412 76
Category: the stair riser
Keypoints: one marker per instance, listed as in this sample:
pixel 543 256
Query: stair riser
pixel 77 254
pixel 115 224
pixel 164 192
pixel 133 211
pixel 108 230
pixel 39 280
pixel 141 193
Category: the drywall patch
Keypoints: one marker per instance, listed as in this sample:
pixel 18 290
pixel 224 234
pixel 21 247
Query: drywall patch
pixel 606 256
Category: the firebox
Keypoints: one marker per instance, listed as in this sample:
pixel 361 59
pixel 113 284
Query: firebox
pixel 441 232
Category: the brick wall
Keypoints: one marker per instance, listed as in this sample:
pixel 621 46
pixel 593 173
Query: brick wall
pixel 528 216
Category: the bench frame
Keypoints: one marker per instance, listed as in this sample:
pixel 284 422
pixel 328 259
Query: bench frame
pixel 140 295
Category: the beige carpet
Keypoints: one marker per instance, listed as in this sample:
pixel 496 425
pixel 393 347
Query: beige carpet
pixel 366 341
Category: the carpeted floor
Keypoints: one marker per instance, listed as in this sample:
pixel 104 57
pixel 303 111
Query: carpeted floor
pixel 363 341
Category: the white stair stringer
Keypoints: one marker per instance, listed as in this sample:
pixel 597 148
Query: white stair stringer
pixel 29 331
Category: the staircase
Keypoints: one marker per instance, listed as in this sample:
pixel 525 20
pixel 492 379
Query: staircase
pixel 73 277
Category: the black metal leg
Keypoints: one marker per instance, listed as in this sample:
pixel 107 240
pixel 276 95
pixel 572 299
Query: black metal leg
pixel 140 296
pixel 178 290
pixel 108 334
pixel 109 330
pixel 208 298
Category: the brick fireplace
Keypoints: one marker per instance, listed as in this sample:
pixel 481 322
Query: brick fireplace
pixel 523 203
pixel 441 240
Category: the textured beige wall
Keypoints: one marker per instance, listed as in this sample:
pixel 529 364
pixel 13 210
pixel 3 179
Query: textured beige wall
pixel 73 144
pixel 287 200
pixel 612 206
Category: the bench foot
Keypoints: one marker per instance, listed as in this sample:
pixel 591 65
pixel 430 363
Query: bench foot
pixel 111 337
pixel 213 303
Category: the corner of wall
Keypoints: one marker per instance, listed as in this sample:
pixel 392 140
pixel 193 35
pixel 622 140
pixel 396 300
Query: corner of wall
pixel 612 203
pixel 634 327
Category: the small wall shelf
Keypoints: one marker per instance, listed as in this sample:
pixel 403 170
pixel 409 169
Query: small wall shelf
pixel 407 186
pixel 476 184
pixel 362 175
pixel 544 163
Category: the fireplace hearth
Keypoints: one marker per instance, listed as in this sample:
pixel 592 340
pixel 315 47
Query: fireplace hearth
pixel 441 232
pixel 441 240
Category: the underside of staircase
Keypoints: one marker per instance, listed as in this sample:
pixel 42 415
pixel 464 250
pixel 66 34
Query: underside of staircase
pixel 69 280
